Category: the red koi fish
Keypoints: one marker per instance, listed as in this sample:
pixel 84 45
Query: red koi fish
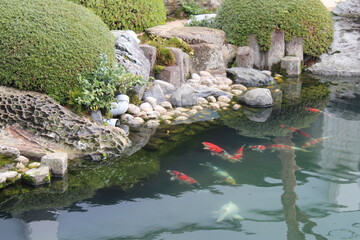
pixel 216 150
pixel 213 148
pixel 259 148
pixel 317 111
pixel 313 142
pixel 182 178
pixel 238 155
pixel 292 129
pixel 285 147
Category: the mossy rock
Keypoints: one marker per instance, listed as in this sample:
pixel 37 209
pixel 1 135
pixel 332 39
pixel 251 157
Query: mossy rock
pixel 45 44
pixel 136 15
pixel 307 19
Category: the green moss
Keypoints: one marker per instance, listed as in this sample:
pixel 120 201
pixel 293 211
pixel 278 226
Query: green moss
pixel 307 19
pixel 160 42
pixel 165 57
pixel 158 69
pixel 4 160
pixel 27 179
pixel 134 98
pixel 45 44
pixel 136 15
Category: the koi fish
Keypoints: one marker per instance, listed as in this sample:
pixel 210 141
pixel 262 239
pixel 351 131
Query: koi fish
pixel 259 148
pixel 285 147
pixel 216 150
pixel 313 142
pixel 228 211
pixel 317 111
pixel 292 129
pixel 182 178
pixel 213 148
pixel 239 154
pixel 221 174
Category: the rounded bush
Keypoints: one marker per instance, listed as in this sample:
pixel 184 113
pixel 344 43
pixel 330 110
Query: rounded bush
pixel 136 15
pixel 308 19
pixel 45 44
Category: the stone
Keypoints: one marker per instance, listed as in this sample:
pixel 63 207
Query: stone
pixel 223 104
pixel 223 80
pixel 155 92
pixel 214 106
pixel 198 108
pixel 142 114
pixel 239 87
pixel 236 92
pixel 229 54
pixel 295 48
pixel 348 9
pixel 34 165
pixel 203 91
pixel 37 176
pixel 152 101
pixel 195 76
pixel 129 54
pixel 160 109
pixel 236 107
pixel 166 87
pixel 211 99
pixel 146 107
pixel 249 77
pixel 192 112
pixel 183 96
pixel 168 122
pixel 136 122
pixel 20 165
pixel 182 61
pixel 245 57
pixel 259 56
pixel 57 162
pixel 207 57
pixel 205 74
pixel 277 49
pixel 257 115
pixel 96 116
pixel 291 65
pixel 201 101
pixel 166 105
pixel 171 74
pixel 181 109
pixel 181 118
pixel 133 109
pixel 267 72
pixel 9 152
pixel 166 117
pixel 9 177
pixel 152 124
pixel 22 159
pixel 259 97
pixel 152 115
pixel 150 53
pixel 224 87
pixel 127 117
pixel 224 99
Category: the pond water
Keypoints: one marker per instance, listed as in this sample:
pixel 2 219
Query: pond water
pixel 281 194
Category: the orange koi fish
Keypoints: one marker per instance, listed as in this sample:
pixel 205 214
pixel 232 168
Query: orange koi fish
pixel 292 129
pixel 317 111
pixel 213 148
pixel 182 178
pixel 259 148
pixel 285 147
pixel 313 142
pixel 238 155
pixel 216 150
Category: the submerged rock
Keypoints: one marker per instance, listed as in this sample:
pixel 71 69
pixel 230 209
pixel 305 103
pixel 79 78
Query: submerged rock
pixel 9 177
pixel 57 163
pixel 259 97
pixel 37 176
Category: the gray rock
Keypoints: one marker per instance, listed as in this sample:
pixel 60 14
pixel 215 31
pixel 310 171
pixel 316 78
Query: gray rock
pixel 156 92
pixel 146 107
pixel 349 8
pixel 277 49
pixel 152 115
pixel 57 162
pixel 259 97
pixel 229 54
pixel 259 56
pixel 129 54
pixel 96 116
pixel 9 152
pixel 133 109
pixel 295 48
pixel 37 176
pixel 245 57
pixel 258 115
pixel 207 57
pixel 22 159
pixel 204 92
pixel 152 124
pixel 291 65
pixel 171 74
pixel 34 165
pixel 150 54
pixel 249 77
pixel 184 96
pixel 182 61
pixel 166 87
pixel 9 177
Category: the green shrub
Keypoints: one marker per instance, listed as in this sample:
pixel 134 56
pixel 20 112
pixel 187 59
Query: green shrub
pixel 159 42
pixel 45 44
pixel 308 19
pixel 165 57
pixel 158 69
pixel 99 86
pixel 136 15
pixel 192 8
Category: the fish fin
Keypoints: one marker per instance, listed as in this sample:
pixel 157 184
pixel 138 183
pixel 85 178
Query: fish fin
pixel 172 179
pixel 238 217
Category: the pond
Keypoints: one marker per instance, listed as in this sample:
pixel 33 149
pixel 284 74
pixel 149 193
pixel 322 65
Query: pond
pixel 281 194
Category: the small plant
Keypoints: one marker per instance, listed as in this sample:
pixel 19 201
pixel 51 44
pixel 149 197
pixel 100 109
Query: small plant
pixel 192 8
pixel 159 42
pixel 98 87
pixel 158 69
pixel 207 22
pixel 165 57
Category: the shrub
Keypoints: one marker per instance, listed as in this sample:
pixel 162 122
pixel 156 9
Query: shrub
pixel 45 44
pixel 165 57
pixel 192 8
pixel 99 86
pixel 308 19
pixel 136 15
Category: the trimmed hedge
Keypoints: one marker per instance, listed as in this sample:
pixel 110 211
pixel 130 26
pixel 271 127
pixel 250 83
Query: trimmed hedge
pixel 308 19
pixel 45 44
pixel 136 15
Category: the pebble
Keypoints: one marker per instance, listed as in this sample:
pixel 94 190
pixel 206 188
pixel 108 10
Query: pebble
pixel 152 124
pixel 133 109
pixel 204 73
pixel 181 118
pixel 195 76
pixel 126 117
pixel 224 99
pixel 236 107
pixel 201 101
pixel 214 106
pixel 146 107
pixel 166 105
pixel 34 165
pixel 22 159
pixel 211 99
pixel 160 109
pixel 152 101
pixel 239 87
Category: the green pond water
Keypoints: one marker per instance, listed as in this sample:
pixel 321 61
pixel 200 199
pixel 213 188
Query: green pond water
pixel 281 194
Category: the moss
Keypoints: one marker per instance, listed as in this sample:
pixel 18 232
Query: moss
pixel 136 15
pixel 307 19
pixel 27 179
pixel 158 69
pixel 133 98
pixel 165 57
pixel 45 44
pixel 4 160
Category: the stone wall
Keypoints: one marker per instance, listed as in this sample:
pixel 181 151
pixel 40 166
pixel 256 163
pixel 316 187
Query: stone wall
pixel 36 124
pixel 172 6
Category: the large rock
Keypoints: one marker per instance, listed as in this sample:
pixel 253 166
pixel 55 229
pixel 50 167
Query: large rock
pixel 349 8
pixel 204 92
pixel 343 57
pixel 156 92
pixel 37 176
pixel 130 55
pixel 182 61
pixel 259 56
pixel 9 152
pixel 291 65
pixel 37 125
pixel 166 87
pixel 295 48
pixel 183 96
pixel 207 57
pixel 57 162
pixel 259 97
pixel 249 77
pixel 150 54
pixel 277 49
pixel 171 74
pixel 9 177
pixel 245 57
